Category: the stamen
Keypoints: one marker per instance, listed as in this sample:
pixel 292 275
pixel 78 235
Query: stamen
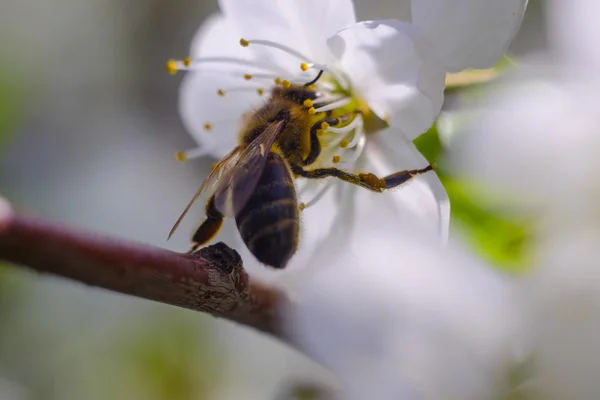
pixel 208 127
pixel 308 103
pixel 344 143
pixel 301 206
pixel 357 121
pixel 336 159
pixel 312 111
pixel 223 92
pixel 328 98
pixel 278 46
pixel 183 156
pixel 336 104
pixel 247 77
pixel 316 78
pixel 188 63
pixel 172 66
pixel 339 78
pixel 319 194
pixel 285 83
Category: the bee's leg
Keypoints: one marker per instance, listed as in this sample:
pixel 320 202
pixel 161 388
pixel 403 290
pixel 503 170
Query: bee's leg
pixel 315 144
pixel 209 227
pixel 366 180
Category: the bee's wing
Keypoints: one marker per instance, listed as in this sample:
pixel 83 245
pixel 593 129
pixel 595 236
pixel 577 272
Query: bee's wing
pixel 218 174
pixel 233 193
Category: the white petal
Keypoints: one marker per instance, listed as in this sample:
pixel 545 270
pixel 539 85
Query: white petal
pixel 536 141
pixel 390 66
pixel 423 197
pixel 199 102
pixel 302 25
pixel 398 317
pixel 576 31
pixel 469 33
pixel 565 295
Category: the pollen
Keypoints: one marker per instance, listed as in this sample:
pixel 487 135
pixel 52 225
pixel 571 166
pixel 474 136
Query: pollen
pixel 336 159
pixel 247 77
pixel 278 81
pixel 308 103
pixel 324 125
pixel 180 156
pixel 172 66
pixel 304 67
pixel 285 83
pixel 312 111
pixel 221 92
pixel 344 143
pixel 187 61
pixel 244 42
pixel 208 127
pixel 301 206
pixel 260 91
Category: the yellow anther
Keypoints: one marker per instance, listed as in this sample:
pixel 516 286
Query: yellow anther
pixel 285 83
pixel 336 159
pixel 244 42
pixel 181 157
pixel 221 92
pixel 208 126
pixel 320 132
pixel 187 61
pixel 260 91
pixel 301 206
pixel 278 81
pixel 247 77
pixel 308 103
pixel 304 67
pixel 324 125
pixel 344 143
pixel 312 111
pixel 172 66
pixel 312 87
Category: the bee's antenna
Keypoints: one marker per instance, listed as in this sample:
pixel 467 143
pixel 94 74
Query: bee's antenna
pixel 314 80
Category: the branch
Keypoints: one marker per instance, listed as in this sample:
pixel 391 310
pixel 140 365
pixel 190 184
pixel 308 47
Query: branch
pixel 212 280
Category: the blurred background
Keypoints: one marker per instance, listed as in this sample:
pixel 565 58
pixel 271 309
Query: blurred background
pixel 89 127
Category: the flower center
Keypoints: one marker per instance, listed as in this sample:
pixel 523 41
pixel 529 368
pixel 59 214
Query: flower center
pixel 342 138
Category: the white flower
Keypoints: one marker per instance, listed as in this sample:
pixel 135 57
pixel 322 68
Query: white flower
pixel 388 76
pixel 404 318
pixel 538 140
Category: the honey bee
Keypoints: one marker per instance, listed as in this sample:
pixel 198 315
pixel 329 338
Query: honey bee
pixel 254 183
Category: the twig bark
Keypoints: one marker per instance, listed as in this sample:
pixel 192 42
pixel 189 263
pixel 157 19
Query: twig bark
pixel 212 280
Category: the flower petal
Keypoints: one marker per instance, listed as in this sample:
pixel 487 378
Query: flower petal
pixel 423 197
pixel 392 68
pixel 575 32
pixel 199 102
pixel 304 26
pixel 469 33
pixel 398 317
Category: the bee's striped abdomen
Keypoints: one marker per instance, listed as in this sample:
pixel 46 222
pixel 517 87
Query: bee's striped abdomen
pixel 269 222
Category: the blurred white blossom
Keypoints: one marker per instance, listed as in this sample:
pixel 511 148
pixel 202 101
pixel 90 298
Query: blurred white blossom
pixel 403 318
pixel 538 141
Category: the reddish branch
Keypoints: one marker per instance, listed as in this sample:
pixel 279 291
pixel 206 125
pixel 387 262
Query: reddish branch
pixel 212 281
